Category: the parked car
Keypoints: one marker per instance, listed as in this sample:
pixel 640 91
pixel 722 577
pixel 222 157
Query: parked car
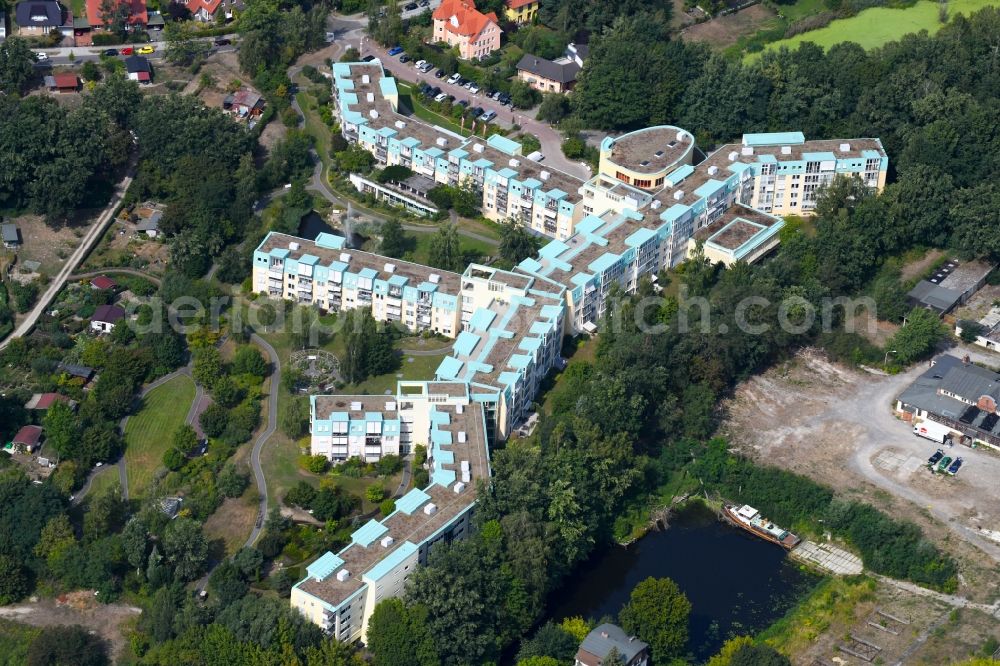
pixel 147 49
pixel 454 78
pixel 488 116
pixel 450 98
pixel 404 58
pixel 439 74
pixel 474 89
pixel 476 111
pixel 420 63
pixel 395 50
pixel 426 67
pixel 222 41
pixel 368 58
pixel 936 457
pixel 953 469
pixel 943 465
pixel 110 52
pixel 127 51
pixel 41 55
pixel 410 6
pixel 462 103
pixel 435 91
pixel 441 97
pixel 424 3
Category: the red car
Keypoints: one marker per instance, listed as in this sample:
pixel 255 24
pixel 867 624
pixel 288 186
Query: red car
pixel 127 50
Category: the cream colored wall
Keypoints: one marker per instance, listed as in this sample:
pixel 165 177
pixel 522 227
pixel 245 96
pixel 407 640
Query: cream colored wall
pixel 389 586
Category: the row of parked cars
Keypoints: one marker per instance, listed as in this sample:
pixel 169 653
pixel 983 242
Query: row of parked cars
pixel 455 79
pixel 435 93
pixel 941 463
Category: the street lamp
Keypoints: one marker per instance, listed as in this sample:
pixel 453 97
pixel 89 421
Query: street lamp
pixel 885 361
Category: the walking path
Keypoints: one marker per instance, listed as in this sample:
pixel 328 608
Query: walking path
pixel 115 271
pixel 86 243
pixel 272 420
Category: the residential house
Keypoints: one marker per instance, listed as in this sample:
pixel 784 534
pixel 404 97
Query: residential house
pixel 42 401
pixel 958 395
pixel 600 642
pixel 27 439
pixel 139 69
pixel 521 11
pixel 553 76
pixel 62 83
pixel 37 18
pixel 105 317
pixel 150 226
pixel 138 16
pixel 459 23
pixel 103 282
pixel 11 238
pixel 207 11
pixel 244 103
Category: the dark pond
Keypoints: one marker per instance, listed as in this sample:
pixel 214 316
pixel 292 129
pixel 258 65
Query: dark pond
pixel 737 584
pixel 313 224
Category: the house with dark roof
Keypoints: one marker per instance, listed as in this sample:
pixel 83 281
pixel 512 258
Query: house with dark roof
pixel 958 395
pixel 11 239
pixel 105 317
pixel 27 439
pixel 139 69
pixel 459 23
pixel 553 75
pixel 951 285
pixel 62 83
pixel 103 282
pixel 244 103
pixel 74 370
pixel 37 18
pixel 608 638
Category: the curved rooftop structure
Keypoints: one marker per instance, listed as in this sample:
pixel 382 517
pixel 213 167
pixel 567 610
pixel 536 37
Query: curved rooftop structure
pixel 645 157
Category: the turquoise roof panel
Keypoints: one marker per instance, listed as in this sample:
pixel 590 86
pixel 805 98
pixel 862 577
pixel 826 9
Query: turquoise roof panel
pixel 466 343
pixel 411 501
pixel 774 139
pixel 324 566
pixel 369 533
pixel 449 368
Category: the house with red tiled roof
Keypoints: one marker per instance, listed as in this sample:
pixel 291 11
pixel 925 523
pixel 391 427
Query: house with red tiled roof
pixel 27 439
pixel 521 11
pixel 137 14
pixel 43 401
pixel 209 10
pixel 103 282
pixel 63 83
pixel 459 23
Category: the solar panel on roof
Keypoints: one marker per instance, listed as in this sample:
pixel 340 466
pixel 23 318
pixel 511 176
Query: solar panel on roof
pixel 970 414
pixel 989 422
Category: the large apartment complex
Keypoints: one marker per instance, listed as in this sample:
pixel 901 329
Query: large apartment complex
pixel 340 590
pixel 649 205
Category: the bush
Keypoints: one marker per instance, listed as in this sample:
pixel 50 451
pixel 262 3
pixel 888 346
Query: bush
pixel 315 464
pixel 387 506
pixel 375 493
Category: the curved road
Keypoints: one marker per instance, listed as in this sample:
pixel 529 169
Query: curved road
pixel 258 445
pixel 86 243
pixel 115 271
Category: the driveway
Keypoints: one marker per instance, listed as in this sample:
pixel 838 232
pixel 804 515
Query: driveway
pixel 550 139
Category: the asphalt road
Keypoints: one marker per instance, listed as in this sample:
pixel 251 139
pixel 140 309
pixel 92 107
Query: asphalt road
pixel 258 445
pixel 92 236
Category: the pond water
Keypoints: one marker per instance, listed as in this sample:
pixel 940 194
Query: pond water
pixel 737 584
pixel 313 224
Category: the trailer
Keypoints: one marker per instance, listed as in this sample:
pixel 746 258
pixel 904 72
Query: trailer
pixel 932 430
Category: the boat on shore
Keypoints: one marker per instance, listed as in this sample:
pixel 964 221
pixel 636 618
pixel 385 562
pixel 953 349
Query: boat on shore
pixel 750 519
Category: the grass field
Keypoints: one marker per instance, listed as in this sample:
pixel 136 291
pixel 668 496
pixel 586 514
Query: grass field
pixel 148 434
pixel 879 25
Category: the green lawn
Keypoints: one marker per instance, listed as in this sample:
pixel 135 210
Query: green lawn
pixel 14 641
pixel 802 9
pixel 879 25
pixel 104 481
pixel 410 99
pixel 467 246
pixel 148 434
